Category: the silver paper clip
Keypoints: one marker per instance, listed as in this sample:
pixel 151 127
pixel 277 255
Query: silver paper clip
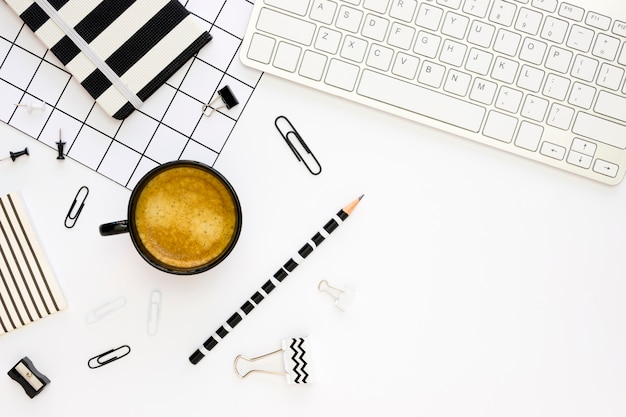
pixel 154 312
pixel 228 100
pixel 105 310
pixel 343 297
pixel 309 160
pixel 108 356
pixel 72 216
pixel 296 361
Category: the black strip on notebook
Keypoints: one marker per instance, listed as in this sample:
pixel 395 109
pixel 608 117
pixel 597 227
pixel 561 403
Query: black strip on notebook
pixel 6 262
pixel 57 4
pixel 124 112
pixel 101 18
pixel 147 37
pixel 65 50
pixel 34 17
pixel 96 83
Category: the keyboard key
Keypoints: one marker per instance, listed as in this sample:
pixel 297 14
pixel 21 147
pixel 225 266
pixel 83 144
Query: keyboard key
pixel 529 136
pixel 500 126
pixel 610 76
pixel 534 108
pixel 401 36
pixel 560 116
pixel 502 13
pixel 598 21
pixel 481 34
pixel 454 4
pixel 405 66
pixel 533 51
pixel 453 53
pixel 478 61
pixel 349 19
pixel 323 11
pixel 581 95
pixel 457 83
pixel 556 87
pixel 380 57
pixel 429 16
pixel 619 28
pixel 286 27
pixel 578 159
pixel 483 91
pixel 602 130
pixel 431 74
pixel 507 42
pixel 375 27
pixel 455 25
pixel 476 8
pixel 427 44
pixel 552 150
pixel 606 47
pixel 379 6
pixel 287 56
pixel 530 78
pixel 294 6
pixel 605 168
pixel 584 147
pixel 504 70
pixel 261 48
pixel 572 12
pixel 420 100
pixel 509 99
pixel 328 40
pixel 554 29
pixel 403 9
pixel 584 68
pixel 528 21
pixel 611 105
pixel 353 49
pixel 559 59
pixel 313 65
pixel 580 38
pixel 547 5
pixel 342 74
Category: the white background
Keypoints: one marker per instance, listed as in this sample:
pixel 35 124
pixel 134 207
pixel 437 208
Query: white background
pixel 486 284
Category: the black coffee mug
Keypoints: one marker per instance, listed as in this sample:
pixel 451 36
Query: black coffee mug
pixel 184 218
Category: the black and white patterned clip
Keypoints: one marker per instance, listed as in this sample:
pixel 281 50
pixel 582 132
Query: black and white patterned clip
pixel 296 361
pixel 225 94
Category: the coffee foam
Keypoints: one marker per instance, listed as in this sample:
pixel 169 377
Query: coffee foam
pixel 185 217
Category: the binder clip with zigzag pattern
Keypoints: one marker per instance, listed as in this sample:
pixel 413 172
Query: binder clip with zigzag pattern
pixel 296 361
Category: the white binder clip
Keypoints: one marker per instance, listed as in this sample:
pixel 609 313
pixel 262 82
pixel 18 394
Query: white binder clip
pixel 343 297
pixel 296 361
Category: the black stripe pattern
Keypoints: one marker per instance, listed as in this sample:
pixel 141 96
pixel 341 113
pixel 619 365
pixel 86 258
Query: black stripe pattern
pixel 28 288
pixel 139 42
pixel 297 364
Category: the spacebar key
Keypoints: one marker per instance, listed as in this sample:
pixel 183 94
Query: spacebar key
pixel 420 100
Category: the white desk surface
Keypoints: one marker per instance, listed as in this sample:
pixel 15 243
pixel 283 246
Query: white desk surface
pixel 486 284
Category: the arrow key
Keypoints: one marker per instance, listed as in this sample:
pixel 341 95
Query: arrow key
pixel 605 168
pixel 584 147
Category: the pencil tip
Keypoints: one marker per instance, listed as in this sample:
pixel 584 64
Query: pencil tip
pixel 362 195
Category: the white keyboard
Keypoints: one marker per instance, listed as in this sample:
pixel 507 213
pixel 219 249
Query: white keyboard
pixel 543 79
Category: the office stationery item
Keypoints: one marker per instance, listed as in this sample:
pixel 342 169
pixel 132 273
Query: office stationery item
pixel 226 96
pixel 25 374
pixel 342 296
pixel 278 277
pixel 541 79
pixel 28 287
pixel 296 361
pixel 121 53
pixel 105 310
pixel 14 155
pixel 184 217
pixel 164 129
pixel 108 357
pixel 60 147
pixel 30 106
pixel 72 215
pixel 286 129
pixel 154 312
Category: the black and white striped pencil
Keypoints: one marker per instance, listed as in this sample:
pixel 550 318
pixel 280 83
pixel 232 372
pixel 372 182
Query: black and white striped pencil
pixel 271 283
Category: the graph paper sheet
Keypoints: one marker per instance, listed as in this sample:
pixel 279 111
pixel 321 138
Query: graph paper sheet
pixel 169 126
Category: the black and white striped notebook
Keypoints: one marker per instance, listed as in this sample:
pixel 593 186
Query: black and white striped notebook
pixel 28 288
pixel 121 51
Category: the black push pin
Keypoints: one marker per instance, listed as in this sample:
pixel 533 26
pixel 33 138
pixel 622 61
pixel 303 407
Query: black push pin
pixel 228 99
pixel 60 145
pixel 14 155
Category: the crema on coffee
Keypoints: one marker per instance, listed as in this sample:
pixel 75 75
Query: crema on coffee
pixel 185 217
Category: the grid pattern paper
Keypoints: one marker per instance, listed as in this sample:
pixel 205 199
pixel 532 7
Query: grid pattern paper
pixel 169 126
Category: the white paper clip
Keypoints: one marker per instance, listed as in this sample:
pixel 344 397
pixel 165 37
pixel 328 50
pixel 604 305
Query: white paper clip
pixel 30 106
pixel 343 297
pixel 296 361
pixel 154 312
pixel 105 310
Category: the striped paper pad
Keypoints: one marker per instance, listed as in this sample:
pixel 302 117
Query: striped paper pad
pixel 121 51
pixel 28 288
